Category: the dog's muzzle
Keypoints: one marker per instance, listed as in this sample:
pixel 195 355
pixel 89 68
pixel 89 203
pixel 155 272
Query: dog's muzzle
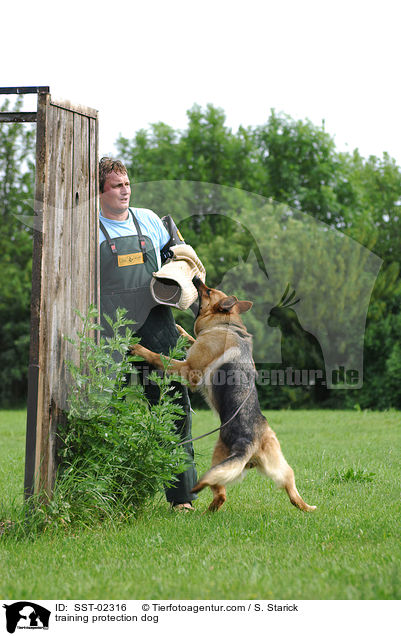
pixel 195 307
pixel 196 281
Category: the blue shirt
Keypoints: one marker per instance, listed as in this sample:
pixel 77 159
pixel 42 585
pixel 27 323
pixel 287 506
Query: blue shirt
pixel 151 226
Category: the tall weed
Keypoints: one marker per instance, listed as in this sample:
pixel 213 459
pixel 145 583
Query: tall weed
pixel 115 450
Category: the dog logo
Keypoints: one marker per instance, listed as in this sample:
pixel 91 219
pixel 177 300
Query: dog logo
pixel 300 350
pixel 26 615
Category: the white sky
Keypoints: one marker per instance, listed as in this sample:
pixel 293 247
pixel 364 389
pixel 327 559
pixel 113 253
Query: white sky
pixel 149 61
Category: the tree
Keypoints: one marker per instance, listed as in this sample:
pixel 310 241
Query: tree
pixel 206 151
pixel 290 162
pixel 300 166
pixel 16 191
pixel 295 163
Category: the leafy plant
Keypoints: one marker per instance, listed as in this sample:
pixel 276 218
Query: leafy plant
pixel 116 451
pixel 350 474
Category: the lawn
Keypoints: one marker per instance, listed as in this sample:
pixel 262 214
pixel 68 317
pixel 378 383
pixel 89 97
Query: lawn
pixel 257 547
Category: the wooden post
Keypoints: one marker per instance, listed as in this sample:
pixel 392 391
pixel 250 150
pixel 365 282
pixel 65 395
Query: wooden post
pixel 65 274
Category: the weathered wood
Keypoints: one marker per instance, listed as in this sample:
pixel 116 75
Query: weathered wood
pixel 66 272
pixel 33 370
pixel 76 108
pixel 56 283
pixel 93 220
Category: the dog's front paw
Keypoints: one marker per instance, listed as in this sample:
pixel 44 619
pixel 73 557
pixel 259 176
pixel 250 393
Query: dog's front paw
pixel 138 350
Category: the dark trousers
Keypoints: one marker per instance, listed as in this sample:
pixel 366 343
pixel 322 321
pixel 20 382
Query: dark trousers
pixel 158 334
pixel 180 490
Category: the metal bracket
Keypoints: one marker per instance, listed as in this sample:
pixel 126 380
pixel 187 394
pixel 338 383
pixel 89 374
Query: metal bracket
pixel 9 117
pixel 23 90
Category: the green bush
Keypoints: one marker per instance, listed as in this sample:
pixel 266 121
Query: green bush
pixel 116 451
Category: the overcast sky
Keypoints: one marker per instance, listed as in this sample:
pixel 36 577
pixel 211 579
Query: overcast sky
pixel 143 62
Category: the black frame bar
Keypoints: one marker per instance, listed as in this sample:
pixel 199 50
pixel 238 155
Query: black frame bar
pixel 18 117
pixel 23 90
pixel 6 117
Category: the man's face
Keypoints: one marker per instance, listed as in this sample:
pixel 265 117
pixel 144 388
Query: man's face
pixel 114 200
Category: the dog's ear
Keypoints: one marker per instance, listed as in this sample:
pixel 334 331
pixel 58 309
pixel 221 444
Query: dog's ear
pixel 227 303
pixel 231 303
pixel 243 306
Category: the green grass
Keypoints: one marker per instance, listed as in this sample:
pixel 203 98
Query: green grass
pixel 258 545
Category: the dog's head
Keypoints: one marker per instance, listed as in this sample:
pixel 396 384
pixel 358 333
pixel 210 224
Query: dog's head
pixel 214 303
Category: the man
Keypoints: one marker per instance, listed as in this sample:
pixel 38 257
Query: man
pixel 131 242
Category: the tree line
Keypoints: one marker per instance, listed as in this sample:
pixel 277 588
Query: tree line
pixel 257 197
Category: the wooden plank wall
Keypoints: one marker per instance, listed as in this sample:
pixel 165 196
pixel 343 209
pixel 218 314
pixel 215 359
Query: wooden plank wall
pixel 65 271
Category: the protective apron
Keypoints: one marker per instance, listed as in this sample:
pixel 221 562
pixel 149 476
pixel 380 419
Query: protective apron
pixel 126 267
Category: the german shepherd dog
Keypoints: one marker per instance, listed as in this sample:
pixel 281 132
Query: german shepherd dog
pixel 219 362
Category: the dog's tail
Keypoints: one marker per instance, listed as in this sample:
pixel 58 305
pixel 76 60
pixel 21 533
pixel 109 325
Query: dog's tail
pixel 225 472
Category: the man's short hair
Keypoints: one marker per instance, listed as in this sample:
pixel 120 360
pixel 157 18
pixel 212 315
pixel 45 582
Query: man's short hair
pixel 107 165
